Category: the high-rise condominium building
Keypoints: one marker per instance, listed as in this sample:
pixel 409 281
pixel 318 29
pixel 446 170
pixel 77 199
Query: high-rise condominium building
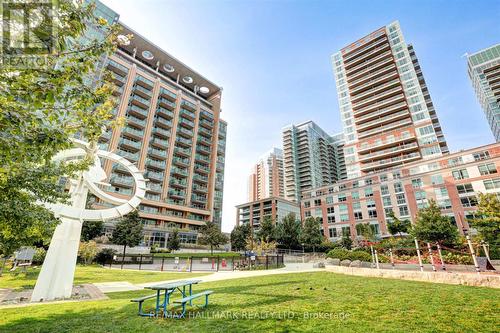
pixel 266 177
pixel 173 132
pixel 312 158
pixel 484 72
pixel 386 110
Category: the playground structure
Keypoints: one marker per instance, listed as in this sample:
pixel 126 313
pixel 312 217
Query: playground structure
pixel 56 276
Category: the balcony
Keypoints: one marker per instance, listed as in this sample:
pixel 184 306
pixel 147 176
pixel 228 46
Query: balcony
pixel 127 143
pixel 203 149
pixel 163 122
pixel 188 114
pixel 389 152
pixel 134 121
pixel 373 43
pixel 390 162
pixel 188 105
pixel 378 97
pixel 202 168
pixel 155 163
pixel 185 132
pixel 206 123
pixel 121 180
pixel 178 171
pixel 161 132
pixel 154 187
pixel 117 91
pixel 393 108
pixel 133 132
pixel 105 136
pixel 204 131
pixel 144 82
pixel 206 115
pixel 387 143
pixel 183 162
pixel 140 90
pixel 200 188
pixel 204 141
pixel 391 126
pixel 186 123
pixel 128 155
pixel 162 143
pixel 379 105
pixel 385 63
pixel 117 68
pixel 139 101
pixel 383 120
pixel 166 103
pixel 178 202
pixel 137 111
pixel 202 158
pixel 164 112
pixel 200 178
pixel 184 142
pixel 372 77
pixel 160 154
pixel 155 176
pixel 168 94
pixel 178 182
pixel 177 193
pixel 364 65
pixel 366 56
pixel 198 198
pixel 182 151
pixel 374 91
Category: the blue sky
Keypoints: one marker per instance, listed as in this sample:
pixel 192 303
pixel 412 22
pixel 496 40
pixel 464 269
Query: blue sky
pixel 272 59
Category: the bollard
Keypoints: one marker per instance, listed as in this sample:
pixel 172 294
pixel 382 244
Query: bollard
pixel 419 257
pixel 376 259
pixel 162 261
pixel 443 267
pixel 430 255
pixel 140 262
pixel 486 251
pixel 474 259
pixel 392 259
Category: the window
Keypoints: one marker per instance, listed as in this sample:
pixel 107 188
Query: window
pixel 342 198
pixel 396 175
pixel 329 200
pixel 487 169
pixel 384 189
pixel 437 179
pixel 426 130
pixel 307 204
pixel 368 181
pixel 469 201
pixel 400 199
pixel 465 188
pixel 441 192
pixel 330 210
pixel 317 202
pixel 403 211
pixel 370 203
pixel 355 195
pixel 460 174
pixel 331 219
pixel 346 231
pixel 368 192
pixel 386 201
pixel 332 232
pixel 484 155
pixel 491 183
pixel 307 214
pixel 417 183
pixel 388 211
pixel 355 184
pixel 383 178
pixel 358 215
pixel 372 213
pixel 342 187
pixel 444 204
pixel 398 188
pixel 344 217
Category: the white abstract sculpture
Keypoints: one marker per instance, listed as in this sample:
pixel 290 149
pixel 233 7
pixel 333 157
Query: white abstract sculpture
pixel 56 276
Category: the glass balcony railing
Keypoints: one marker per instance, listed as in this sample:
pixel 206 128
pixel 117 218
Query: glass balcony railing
pixel 133 131
pixel 130 143
pixel 161 131
pixel 183 151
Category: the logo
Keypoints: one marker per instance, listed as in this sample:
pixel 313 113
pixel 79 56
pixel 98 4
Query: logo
pixel 28 32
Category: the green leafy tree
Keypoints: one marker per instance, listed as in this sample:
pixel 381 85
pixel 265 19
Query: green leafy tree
pixel 91 230
pixel 288 232
pixel 173 242
pixel 345 242
pixel 239 237
pixel 311 235
pixel 211 235
pixel 128 231
pixel 398 226
pixel 366 231
pixel 41 109
pixel 267 231
pixel 431 226
pixel 88 251
pixel 487 222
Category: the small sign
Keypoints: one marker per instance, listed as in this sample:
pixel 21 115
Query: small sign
pixel 204 259
pixel 252 258
pixel 176 260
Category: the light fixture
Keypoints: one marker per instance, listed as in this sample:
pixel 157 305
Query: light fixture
pixel 204 90
pixel 147 55
pixel 168 68
pixel 187 79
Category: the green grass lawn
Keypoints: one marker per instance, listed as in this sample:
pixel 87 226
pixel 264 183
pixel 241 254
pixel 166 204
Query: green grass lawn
pixel 367 304
pixel 90 274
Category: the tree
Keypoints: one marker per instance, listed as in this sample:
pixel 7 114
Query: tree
pixel 128 231
pixel 366 231
pixel 345 242
pixel 311 233
pixel 239 237
pixel 173 242
pixel 431 226
pixel 91 230
pixel 41 109
pixel 87 251
pixel 288 232
pixel 397 226
pixel 487 221
pixel 267 231
pixel 210 234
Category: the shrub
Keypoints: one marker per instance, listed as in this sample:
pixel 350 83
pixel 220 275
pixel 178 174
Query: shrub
pixel 339 253
pixel 105 256
pixel 359 255
pixel 451 258
pixel 39 256
pixel 87 251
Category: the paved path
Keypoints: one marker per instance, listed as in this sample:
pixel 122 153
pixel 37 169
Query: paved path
pixel 107 287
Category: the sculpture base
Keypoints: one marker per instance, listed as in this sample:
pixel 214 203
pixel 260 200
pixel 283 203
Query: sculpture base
pixel 55 280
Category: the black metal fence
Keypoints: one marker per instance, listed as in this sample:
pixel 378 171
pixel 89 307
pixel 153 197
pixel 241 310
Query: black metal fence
pixel 195 264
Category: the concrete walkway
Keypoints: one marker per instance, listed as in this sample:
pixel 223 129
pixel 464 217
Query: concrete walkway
pixel 107 287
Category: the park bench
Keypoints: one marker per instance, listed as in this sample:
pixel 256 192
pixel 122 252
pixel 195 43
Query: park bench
pixel 189 299
pixel 141 300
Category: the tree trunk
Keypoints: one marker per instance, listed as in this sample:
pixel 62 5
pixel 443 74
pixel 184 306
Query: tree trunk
pixel 3 265
pixel 123 256
pixel 211 249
